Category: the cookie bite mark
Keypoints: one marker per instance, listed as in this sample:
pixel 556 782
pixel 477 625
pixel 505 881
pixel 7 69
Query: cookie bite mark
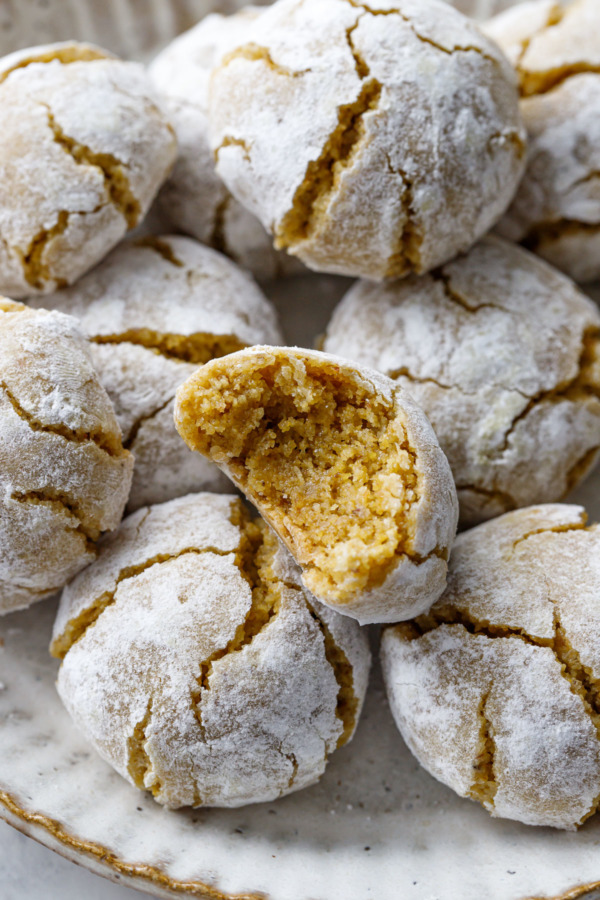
pixel 324 452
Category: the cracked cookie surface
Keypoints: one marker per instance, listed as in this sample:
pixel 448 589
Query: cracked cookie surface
pixel 84 147
pixel 391 140
pixel 194 199
pixel 503 354
pixel 496 690
pixel 342 464
pixel 64 474
pixel 198 666
pixel 155 309
pixel 556 52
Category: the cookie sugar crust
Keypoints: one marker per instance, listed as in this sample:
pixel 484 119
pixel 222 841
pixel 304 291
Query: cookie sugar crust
pixel 556 54
pixel 344 466
pixel 496 689
pixel 391 140
pixel 65 476
pixel 199 667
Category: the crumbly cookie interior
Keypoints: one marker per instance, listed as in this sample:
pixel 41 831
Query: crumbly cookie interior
pixel 324 458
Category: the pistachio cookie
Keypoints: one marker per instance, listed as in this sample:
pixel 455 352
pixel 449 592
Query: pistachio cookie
pixel 194 199
pixel 496 691
pixel 391 139
pixel 556 210
pixel 343 465
pixel 64 474
pixel 503 353
pixel 84 147
pixel 154 311
pixel 199 667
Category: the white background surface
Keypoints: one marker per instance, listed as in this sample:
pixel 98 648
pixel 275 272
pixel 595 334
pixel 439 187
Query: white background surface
pixel 29 871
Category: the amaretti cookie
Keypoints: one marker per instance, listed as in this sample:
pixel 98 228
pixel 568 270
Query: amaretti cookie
pixel 496 690
pixel 84 147
pixel 391 139
pixel 556 51
pixel 198 666
pixel 503 353
pixel 64 475
pixel 194 199
pixel 154 311
pixel 343 465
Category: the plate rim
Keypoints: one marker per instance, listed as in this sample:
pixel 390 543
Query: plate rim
pixel 108 862
pixel 110 865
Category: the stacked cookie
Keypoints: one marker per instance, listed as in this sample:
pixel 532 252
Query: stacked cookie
pixel 214 654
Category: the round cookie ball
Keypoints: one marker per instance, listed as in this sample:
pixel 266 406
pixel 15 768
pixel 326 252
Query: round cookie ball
pixel 556 210
pixel 198 666
pixel 391 139
pixel 194 199
pixel 496 690
pixel 154 311
pixel 84 148
pixel 503 354
pixel 64 475
pixel 342 464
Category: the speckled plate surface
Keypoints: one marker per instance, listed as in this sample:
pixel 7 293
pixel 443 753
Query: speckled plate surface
pixel 377 826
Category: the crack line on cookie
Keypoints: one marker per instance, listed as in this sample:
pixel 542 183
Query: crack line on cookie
pixel 582 387
pixel 535 84
pixel 311 196
pixel 139 764
pixel 62 501
pixel 484 786
pixel 162 247
pixel 256 53
pixel 253 558
pixel 64 55
pixel 449 51
pixel 445 280
pixel 109 444
pixel 77 627
pixel 406 257
pixel 230 141
pixel 199 347
pixel 113 171
pixel 347 701
pixel 142 420
pixel 218 235
pixel 543 232
pixel 555 17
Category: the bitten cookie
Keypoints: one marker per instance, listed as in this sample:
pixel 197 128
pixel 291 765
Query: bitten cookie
pixel 84 148
pixel 556 51
pixel 198 666
pixel 391 139
pixel 344 466
pixel 155 310
pixel 496 690
pixel 194 199
pixel 503 354
pixel 64 475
